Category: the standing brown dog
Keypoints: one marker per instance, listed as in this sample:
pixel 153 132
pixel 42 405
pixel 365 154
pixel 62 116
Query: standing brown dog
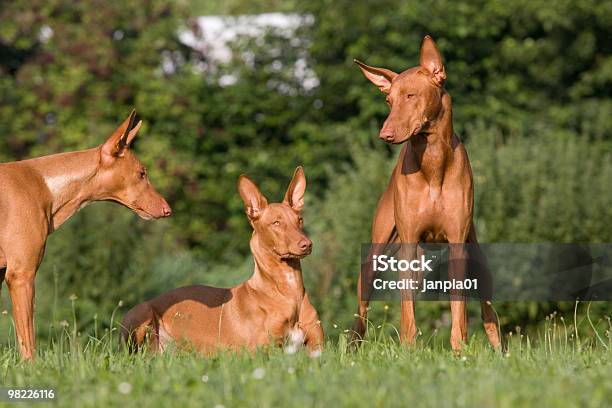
pixel 430 197
pixel 270 308
pixel 39 195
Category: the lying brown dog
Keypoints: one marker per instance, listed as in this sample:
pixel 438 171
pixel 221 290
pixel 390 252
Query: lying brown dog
pixel 271 307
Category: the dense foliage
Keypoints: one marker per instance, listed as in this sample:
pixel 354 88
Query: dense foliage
pixel 531 86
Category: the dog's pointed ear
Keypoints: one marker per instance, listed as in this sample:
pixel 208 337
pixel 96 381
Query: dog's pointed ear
pixel 431 60
pixel 254 201
pixel 116 145
pixel 294 196
pixel 132 134
pixel 381 77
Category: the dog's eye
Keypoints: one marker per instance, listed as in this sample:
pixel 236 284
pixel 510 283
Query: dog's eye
pixel 301 220
pixel 276 223
pixel 408 96
pixel 143 173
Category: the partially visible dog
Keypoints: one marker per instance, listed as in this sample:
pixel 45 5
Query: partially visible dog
pixel 39 195
pixel 271 307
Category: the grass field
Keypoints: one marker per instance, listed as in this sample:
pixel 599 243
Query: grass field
pixel 555 368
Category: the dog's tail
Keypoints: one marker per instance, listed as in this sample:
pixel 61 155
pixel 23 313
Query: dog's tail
pixel 140 324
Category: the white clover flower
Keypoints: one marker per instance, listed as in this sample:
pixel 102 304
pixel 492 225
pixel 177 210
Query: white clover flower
pixel 124 388
pixel 259 373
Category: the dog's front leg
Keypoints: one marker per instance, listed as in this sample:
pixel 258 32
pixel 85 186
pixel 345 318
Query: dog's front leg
pixel 457 271
pixel 20 282
pixel 408 328
pixel 23 255
pixel 310 324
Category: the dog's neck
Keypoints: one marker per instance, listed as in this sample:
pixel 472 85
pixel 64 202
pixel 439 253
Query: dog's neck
pixel 440 128
pixel 273 275
pixel 70 178
pixel 430 151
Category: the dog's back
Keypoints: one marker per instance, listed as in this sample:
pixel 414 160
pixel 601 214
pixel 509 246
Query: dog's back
pixel 188 314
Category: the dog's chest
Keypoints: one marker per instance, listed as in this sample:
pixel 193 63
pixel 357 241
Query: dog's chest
pixel 294 339
pixel 281 323
pixel 424 211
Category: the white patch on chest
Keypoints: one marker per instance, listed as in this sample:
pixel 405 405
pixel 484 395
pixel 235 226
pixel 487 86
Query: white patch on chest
pixel 291 279
pixel 295 340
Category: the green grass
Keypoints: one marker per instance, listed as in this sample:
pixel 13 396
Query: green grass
pixel 555 368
